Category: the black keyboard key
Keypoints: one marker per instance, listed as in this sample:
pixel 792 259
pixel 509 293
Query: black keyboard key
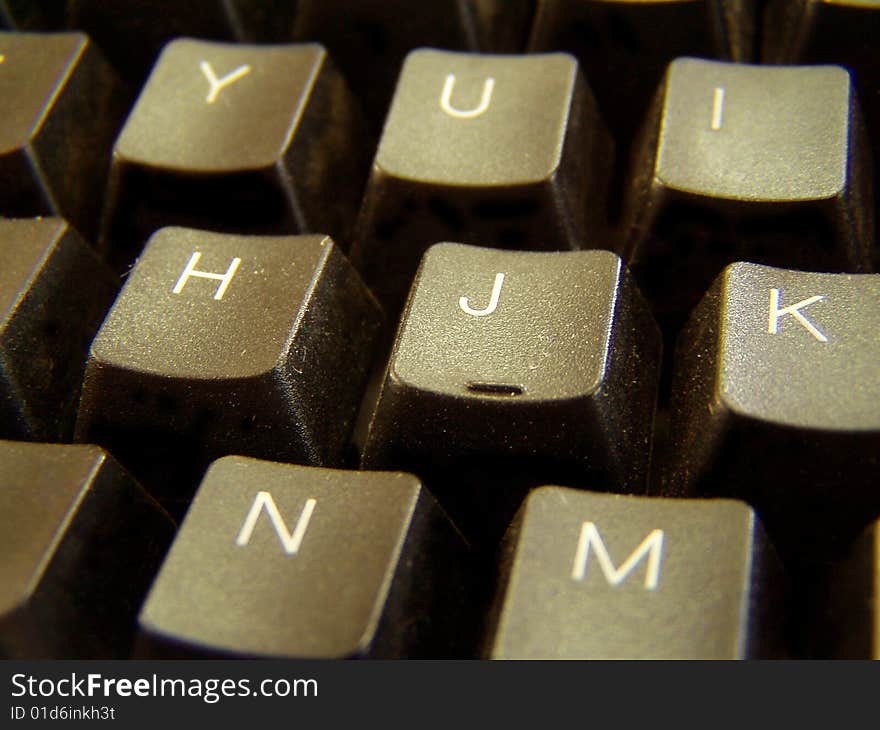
pixel 513 365
pixel 369 39
pixel 62 110
pixel 591 576
pixel 848 626
pixel 308 563
pixel 133 32
pixel 224 344
pixel 757 163
pixel 247 139
pixel 775 402
pixel 489 150
pixel 625 46
pixel 54 293
pixel 80 542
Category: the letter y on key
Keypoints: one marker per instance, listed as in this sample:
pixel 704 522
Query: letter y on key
pixel 217 85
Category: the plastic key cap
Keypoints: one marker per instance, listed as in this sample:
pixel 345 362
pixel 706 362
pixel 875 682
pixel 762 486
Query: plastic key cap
pixel 758 163
pixel 775 401
pixel 221 343
pixel 80 542
pixel 62 110
pixel 308 563
pixel 54 293
pixel 513 365
pixel 488 150
pixel 241 139
pixel 592 576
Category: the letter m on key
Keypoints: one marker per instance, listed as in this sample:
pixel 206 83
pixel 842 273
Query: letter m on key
pixel 590 543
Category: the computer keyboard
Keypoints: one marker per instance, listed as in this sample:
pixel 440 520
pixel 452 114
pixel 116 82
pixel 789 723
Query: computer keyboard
pixel 480 329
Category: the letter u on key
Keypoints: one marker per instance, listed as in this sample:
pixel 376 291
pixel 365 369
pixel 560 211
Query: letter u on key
pixel 446 99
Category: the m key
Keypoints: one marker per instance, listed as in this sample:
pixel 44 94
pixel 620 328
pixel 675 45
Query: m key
pixel 221 343
pixel 309 563
pixel 593 576
pixel 775 401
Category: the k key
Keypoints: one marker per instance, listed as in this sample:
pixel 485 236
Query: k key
pixel 593 576
pixel 775 402
pixel 509 365
pixel 221 343
pixel 503 151
pixel 309 563
pixel 241 139
pixel 761 163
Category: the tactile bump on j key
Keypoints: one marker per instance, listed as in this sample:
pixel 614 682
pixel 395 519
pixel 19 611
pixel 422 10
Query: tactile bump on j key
pixel 224 344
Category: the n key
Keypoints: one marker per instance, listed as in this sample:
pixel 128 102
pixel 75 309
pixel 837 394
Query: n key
pixel 775 401
pixel 307 563
pixel 757 163
pixel 512 365
pixel 592 576
pixel 503 151
pixel 249 139
pixel 221 343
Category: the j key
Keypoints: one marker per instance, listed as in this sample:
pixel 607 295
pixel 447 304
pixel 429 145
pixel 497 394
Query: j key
pixel 625 46
pixel 223 344
pixel 510 365
pixel 54 292
pixel 830 31
pixel 757 163
pixel 80 542
pixel 850 623
pixel 132 32
pixel 491 150
pixel 310 564
pixel 369 39
pixel 245 139
pixel 775 402
pixel 62 109
pixel 592 576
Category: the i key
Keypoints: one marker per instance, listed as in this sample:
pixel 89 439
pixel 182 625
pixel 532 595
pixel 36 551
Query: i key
pixel 503 151
pixel 54 293
pixel 62 110
pixel 593 576
pixel 369 39
pixel 241 139
pixel 81 542
pixel 512 365
pixel 224 344
pixel 625 46
pixel 775 401
pixel 758 163
pixel 309 563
